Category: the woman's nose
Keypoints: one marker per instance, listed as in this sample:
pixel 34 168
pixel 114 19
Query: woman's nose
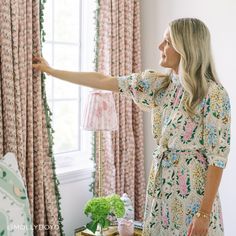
pixel 161 46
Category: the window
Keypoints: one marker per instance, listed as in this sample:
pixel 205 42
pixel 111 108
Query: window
pixel 70 31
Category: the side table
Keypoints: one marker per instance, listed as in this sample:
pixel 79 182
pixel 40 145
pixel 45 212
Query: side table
pixel 112 231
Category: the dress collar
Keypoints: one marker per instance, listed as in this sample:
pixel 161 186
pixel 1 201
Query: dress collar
pixel 175 79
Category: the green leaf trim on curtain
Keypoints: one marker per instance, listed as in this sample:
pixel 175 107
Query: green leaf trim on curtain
pixel 97 15
pixel 50 130
pixel 93 157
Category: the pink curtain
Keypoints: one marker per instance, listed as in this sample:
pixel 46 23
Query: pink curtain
pixel 118 53
pixel 23 128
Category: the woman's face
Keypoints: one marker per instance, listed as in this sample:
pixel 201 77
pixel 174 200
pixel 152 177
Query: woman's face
pixel 169 57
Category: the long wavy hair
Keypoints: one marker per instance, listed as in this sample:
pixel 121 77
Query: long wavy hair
pixel 190 37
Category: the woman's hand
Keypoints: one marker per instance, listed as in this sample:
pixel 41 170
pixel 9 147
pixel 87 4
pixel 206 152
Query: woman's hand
pixel 40 64
pixel 199 227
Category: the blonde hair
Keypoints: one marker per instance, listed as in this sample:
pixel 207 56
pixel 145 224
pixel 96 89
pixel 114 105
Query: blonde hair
pixel 190 37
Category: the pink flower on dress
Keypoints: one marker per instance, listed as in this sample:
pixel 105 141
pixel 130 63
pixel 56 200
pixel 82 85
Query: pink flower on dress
pixel 164 217
pixel 133 91
pixel 177 100
pixel 182 183
pixel 221 217
pixel 190 126
pixel 201 158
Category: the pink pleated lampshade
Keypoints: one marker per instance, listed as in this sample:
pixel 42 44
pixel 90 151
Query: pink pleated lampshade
pixel 100 112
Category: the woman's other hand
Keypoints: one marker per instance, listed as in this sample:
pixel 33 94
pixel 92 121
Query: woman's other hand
pixel 40 64
pixel 199 227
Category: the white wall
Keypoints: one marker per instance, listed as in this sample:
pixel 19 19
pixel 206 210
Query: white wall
pixel 220 16
pixel 149 41
pixel 74 190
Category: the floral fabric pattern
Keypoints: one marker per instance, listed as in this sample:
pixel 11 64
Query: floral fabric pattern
pixel 23 126
pixel 185 148
pixel 119 53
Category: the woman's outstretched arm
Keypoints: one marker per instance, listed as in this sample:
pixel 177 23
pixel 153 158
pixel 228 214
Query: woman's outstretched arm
pixel 89 79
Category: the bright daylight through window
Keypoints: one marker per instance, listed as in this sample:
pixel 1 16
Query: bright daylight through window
pixel 70 32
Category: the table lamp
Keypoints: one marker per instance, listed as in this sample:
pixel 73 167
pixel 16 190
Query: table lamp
pixel 100 115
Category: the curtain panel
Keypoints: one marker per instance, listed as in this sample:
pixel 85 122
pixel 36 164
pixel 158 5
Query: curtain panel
pixel 118 53
pixel 23 126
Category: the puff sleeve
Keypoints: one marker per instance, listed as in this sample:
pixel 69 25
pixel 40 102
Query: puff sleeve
pixel 141 87
pixel 217 119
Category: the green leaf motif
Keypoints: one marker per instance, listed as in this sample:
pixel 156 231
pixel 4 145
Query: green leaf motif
pixel 188 160
pixel 179 119
pixel 201 141
pixel 92 226
pixel 4 174
pixel 145 102
pixel 107 223
pixel 151 94
pixel 168 195
pixel 216 114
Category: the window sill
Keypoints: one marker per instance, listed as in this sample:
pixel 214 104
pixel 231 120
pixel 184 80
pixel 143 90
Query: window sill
pixel 70 175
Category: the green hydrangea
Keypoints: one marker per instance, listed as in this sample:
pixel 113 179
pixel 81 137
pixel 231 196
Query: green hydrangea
pixel 116 205
pixel 100 208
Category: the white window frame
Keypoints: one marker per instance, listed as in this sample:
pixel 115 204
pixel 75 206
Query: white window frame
pixel 75 160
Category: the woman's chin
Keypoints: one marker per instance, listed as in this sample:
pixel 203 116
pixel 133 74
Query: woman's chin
pixel 163 64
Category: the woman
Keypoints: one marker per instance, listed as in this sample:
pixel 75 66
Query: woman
pixel 191 125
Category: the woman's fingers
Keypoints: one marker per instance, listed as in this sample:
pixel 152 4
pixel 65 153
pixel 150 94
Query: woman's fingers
pixel 36 66
pixel 39 63
pixel 37 59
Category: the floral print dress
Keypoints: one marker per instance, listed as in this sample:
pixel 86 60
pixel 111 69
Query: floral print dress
pixel 185 149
